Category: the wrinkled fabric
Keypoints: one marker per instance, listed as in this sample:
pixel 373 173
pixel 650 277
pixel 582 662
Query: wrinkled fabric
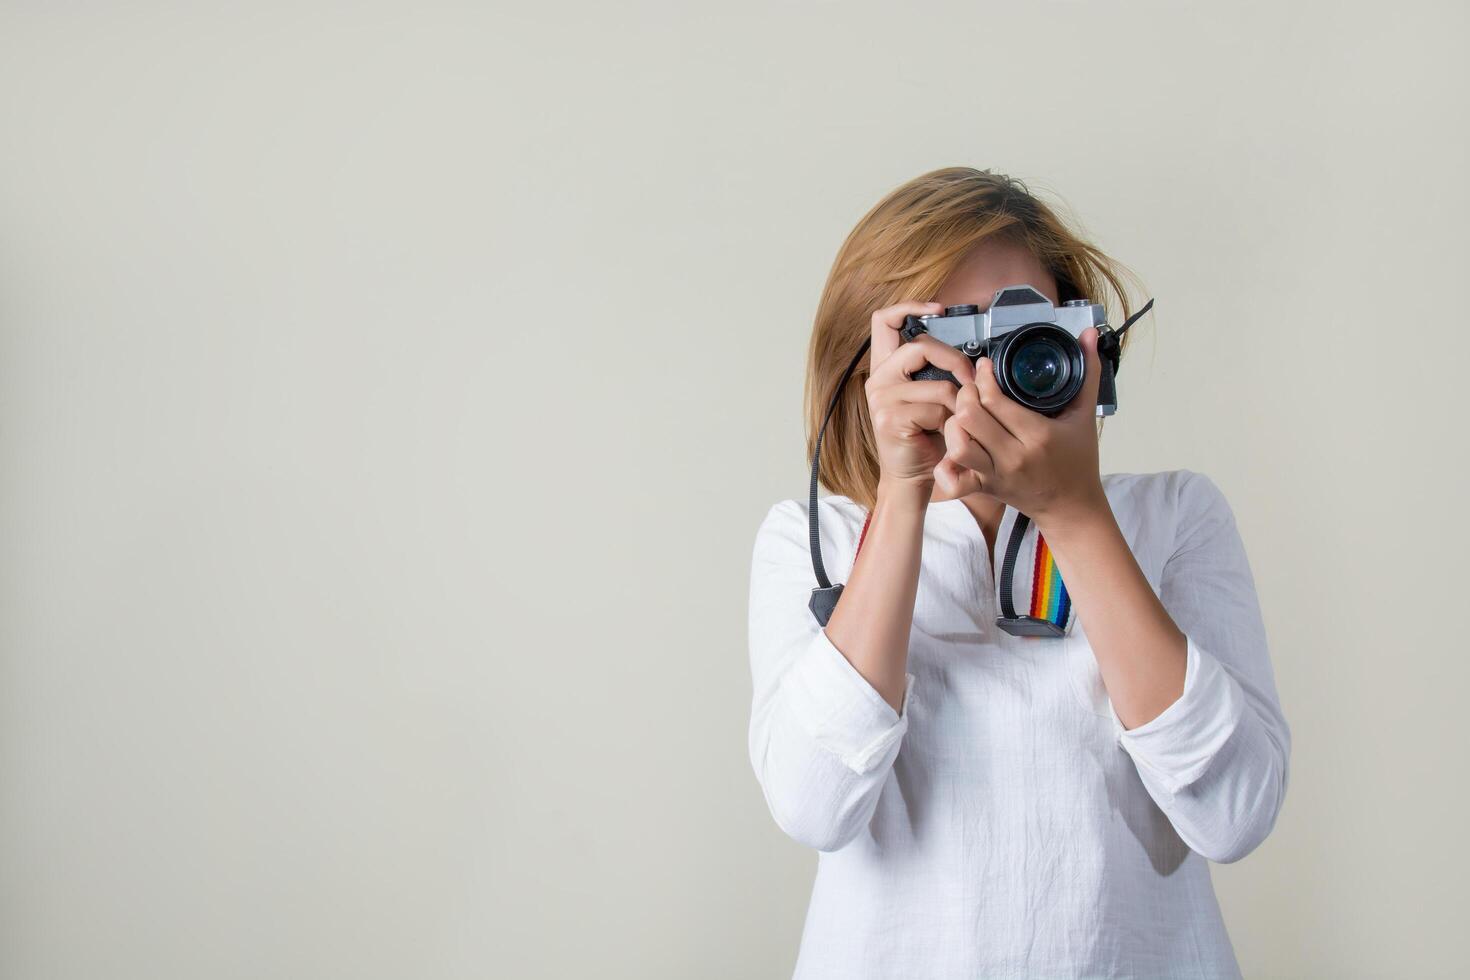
pixel 1004 823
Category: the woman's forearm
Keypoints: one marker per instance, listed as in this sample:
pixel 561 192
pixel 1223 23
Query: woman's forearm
pixel 1140 650
pixel 875 612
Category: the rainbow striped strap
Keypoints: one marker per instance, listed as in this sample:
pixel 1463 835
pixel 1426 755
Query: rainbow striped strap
pixel 1037 593
pixel 1049 598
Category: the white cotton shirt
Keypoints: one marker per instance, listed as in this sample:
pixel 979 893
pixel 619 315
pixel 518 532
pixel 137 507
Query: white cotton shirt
pixel 1005 824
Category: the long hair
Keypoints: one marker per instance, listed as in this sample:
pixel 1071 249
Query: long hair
pixel 904 249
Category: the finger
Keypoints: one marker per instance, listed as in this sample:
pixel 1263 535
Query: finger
pixel 1085 404
pixel 947 477
pixel 983 427
pixel 966 480
pixel 937 392
pixel 886 323
pixel 954 480
pixel 1021 422
pixel 923 350
pixel 925 404
pixel 930 418
pixel 963 451
pixel 891 409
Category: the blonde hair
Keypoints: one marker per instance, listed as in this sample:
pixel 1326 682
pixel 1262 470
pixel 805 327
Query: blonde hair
pixel 904 249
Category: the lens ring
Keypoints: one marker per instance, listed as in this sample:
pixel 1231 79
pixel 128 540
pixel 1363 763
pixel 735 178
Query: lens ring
pixel 1040 365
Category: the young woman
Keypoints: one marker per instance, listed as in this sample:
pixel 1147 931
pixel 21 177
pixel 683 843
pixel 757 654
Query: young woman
pixel 986 804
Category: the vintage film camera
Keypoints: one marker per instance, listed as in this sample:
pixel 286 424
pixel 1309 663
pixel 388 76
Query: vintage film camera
pixel 1038 359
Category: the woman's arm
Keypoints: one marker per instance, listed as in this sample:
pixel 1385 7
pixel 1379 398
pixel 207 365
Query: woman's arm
pixel 875 612
pixel 1188 673
pixel 1141 652
pixel 828 708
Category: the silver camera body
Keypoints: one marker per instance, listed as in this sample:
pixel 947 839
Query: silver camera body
pixel 1032 344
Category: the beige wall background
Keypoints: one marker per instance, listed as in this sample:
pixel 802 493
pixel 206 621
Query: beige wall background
pixel 389 395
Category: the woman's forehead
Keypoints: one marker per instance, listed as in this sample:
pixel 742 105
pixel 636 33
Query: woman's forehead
pixel 993 265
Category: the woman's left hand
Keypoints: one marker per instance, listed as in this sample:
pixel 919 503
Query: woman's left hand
pixel 1047 468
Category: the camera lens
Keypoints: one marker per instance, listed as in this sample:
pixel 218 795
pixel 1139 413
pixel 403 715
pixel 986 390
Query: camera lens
pixel 1039 365
pixel 1039 368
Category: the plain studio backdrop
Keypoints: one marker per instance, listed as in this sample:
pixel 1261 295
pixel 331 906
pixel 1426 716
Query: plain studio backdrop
pixel 389 395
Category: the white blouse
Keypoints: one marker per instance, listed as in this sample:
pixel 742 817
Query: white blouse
pixel 1004 823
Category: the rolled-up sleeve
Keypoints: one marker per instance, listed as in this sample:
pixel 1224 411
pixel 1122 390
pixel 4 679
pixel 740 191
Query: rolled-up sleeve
pixel 822 739
pixel 1216 759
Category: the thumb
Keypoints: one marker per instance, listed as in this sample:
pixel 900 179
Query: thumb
pixel 947 477
pixel 1086 401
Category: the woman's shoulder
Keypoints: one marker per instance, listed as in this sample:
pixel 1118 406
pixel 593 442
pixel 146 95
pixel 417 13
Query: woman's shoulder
pixel 1169 505
pixel 790 518
pixel 784 534
pixel 840 507
pixel 1172 485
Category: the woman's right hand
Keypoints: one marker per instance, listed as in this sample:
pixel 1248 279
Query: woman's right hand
pixel 908 416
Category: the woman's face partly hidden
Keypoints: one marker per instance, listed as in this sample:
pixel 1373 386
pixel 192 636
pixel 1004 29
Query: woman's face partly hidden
pixel 990 266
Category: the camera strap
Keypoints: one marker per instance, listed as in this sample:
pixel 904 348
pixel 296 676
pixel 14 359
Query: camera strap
pixel 824 596
pixel 1039 589
pixel 1041 592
